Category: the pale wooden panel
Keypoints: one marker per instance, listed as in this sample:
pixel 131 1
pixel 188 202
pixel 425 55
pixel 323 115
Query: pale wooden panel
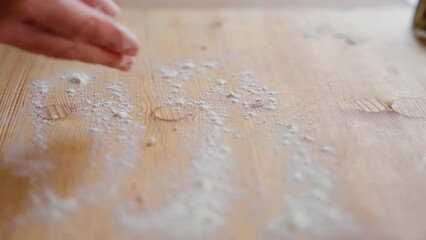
pixel 354 80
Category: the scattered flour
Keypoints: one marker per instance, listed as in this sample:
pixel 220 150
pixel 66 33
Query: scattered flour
pixel 200 209
pixel 258 98
pixel 312 210
pixel 110 123
pixel 47 206
pixel 116 138
pixel 191 213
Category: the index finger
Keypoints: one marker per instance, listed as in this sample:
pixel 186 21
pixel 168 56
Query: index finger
pixel 106 6
pixel 76 20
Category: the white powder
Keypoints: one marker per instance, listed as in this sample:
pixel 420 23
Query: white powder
pixel 120 114
pixel 110 124
pixel 257 99
pixel 151 141
pixel 48 207
pixel 180 101
pixel 221 82
pixel 39 91
pixel 211 64
pixel 187 65
pixel 292 128
pixel 70 92
pixel 233 95
pixel 169 73
pixel 312 210
pixel 328 149
pixel 175 85
pixel 202 207
pixel 308 138
pixel 79 78
pixel 21 167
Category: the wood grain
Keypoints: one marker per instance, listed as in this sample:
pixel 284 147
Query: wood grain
pixel 324 64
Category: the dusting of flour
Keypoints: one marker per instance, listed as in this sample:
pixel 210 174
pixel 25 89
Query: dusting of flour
pixel 202 207
pixel 110 124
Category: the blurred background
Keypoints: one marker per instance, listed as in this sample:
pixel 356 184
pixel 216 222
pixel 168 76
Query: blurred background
pixel 261 3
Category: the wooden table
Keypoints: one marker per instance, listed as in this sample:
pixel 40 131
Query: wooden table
pixel 252 123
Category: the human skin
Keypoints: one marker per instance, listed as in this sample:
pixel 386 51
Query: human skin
pixel 83 30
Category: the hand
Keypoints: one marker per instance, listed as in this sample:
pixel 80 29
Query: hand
pixel 70 29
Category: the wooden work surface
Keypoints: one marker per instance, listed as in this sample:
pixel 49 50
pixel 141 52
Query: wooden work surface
pixel 351 86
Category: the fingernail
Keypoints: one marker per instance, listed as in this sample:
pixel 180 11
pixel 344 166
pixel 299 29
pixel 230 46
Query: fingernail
pixel 114 8
pixel 108 7
pixel 126 63
pixel 130 44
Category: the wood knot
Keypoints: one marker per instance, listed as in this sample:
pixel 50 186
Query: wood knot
pixel 371 105
pixel 57 111
pixel 173 114
pixel 410 107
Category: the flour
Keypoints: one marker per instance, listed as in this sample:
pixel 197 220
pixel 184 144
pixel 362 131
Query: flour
pixel 48 207
pixel 32 168
pixel 222 82
pixel 258 99
pixel 211 64
pixel 70 92
pixel 233 95
pixel 202 206
pixel 328 149
pixel 151 141
pixel 110 124
pixel 79 78
pixel 201 209
pixel 312 210
pixel 190 215
pixel 187 65
pixel 308 138
pixel 120 114
pixel 180 101
pixel 39 91
pixel 169 73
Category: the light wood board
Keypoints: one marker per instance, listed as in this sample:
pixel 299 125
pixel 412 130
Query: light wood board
pixel 337 74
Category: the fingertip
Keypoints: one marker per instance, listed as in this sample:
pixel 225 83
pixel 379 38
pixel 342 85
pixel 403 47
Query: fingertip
pixel 126 63
pixel 133 51
pixel 113 9
pixel 107 7
pixel 130 44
